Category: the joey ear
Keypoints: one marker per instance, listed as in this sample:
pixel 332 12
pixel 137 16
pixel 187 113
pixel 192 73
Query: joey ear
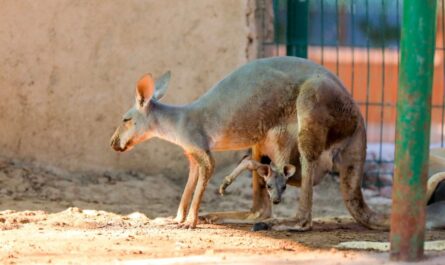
pixel 162 85
pixel 289 170
pixel 144 89
pixel 263 171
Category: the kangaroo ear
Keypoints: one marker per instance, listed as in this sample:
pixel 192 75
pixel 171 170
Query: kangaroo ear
pixel 263 171
pixel 144 90
pixel 289 170
pixel 162 85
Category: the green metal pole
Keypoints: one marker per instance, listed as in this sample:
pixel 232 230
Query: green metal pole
pixel 413 129
pixel 297 29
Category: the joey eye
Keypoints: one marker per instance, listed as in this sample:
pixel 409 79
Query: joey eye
pixel 269 186
pixel 126 119
pixel 284 188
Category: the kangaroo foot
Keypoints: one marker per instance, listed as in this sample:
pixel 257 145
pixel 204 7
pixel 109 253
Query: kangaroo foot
pixel 164 221
pixel 298 224
pixel 292 228
pixel 232 217
pixel 301 223
pixel 269 223
pixel 179 219
pixel 188 224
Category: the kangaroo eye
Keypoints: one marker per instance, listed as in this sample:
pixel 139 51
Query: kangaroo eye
pixel 269 186
pixel 127 119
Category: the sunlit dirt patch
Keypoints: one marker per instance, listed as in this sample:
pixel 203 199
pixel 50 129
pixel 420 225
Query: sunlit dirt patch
pixel 91 236
pixel 53 216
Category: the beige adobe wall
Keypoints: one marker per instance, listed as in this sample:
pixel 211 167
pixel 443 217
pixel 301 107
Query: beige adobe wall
pixel 68 70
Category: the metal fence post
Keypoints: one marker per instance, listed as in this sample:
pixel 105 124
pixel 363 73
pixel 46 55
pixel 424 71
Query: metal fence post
pixel 297 28
pixel 413 129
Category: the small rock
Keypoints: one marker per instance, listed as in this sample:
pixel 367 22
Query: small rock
pixel 73 210
pixel 137 216
pixel 91 212
pixel 260 226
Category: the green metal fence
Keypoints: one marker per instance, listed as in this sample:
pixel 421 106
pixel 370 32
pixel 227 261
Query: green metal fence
pixel 359 41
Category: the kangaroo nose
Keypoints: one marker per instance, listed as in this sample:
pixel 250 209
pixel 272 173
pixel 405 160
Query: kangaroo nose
pixel 276 201
pixel 115 143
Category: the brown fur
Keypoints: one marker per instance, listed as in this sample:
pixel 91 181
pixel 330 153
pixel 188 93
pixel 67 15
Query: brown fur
pixel 329 131
pixel 292 100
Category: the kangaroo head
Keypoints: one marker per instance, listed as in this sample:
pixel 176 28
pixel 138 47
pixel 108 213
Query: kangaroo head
pixel 137 123
pixel 276 179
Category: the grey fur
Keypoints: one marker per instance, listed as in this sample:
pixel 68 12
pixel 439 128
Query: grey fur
pixel 273 95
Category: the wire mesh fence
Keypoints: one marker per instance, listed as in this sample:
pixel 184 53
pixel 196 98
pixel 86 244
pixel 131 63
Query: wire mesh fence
pixel 359 41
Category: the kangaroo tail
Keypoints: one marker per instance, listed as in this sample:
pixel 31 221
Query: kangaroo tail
pixel 357 207
pixel 351 173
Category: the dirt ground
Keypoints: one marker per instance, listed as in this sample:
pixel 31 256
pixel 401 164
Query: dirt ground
pixel 51 216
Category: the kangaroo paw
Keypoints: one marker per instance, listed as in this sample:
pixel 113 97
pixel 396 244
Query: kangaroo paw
pixel 222 188
pixel 226 183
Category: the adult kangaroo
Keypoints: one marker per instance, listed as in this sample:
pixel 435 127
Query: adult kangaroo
pixel 276 94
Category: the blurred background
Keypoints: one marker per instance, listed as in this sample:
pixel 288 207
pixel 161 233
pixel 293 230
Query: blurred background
pixel 359 41
pixel 69 70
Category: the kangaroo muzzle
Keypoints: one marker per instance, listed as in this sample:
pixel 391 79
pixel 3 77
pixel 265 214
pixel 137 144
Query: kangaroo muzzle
pixel 276 198
pixel 116 142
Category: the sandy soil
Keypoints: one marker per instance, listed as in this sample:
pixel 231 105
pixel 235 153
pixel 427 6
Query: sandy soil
pixel 51 216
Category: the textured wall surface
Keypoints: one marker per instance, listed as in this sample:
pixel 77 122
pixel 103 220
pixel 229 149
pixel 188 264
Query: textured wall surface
pixel 68 73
